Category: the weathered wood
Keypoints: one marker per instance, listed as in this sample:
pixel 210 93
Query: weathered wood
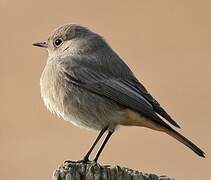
pixel 94 171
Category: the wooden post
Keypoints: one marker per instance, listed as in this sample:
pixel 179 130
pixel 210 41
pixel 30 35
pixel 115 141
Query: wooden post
pixel 93 171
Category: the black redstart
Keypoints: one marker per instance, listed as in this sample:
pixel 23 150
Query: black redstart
pixel 87 83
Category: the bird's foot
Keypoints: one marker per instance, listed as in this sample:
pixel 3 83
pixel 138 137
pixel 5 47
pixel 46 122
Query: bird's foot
pixel 84 161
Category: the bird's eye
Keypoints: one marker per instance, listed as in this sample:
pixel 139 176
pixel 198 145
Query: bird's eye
pixel 58 42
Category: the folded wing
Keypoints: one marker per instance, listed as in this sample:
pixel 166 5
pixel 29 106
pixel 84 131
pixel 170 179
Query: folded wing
pixel 114 89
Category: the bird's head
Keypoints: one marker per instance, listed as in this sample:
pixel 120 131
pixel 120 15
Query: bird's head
pixel 71 38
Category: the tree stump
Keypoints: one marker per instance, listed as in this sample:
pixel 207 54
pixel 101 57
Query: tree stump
pixel 94 171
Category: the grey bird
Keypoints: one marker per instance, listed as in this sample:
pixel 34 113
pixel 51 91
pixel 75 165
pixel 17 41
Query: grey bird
pixel 85 82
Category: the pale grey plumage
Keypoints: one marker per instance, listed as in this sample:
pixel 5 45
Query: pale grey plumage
pixel 69 101
pixel 87 83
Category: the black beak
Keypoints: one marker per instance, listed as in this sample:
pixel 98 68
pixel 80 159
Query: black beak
pixel 43 44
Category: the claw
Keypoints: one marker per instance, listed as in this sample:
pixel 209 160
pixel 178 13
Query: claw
pixel 85 161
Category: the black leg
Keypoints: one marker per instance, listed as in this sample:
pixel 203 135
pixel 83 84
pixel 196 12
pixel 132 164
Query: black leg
pixel 86 157
pixel 103 145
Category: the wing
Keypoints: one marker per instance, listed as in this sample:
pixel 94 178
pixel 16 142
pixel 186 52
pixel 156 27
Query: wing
pixel 139 88
pixel 114 89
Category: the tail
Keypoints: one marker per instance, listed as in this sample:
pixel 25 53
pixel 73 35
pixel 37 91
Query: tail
pixel 186 142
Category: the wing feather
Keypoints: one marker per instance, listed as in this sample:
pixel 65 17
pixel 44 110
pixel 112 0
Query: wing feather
pixel 114 90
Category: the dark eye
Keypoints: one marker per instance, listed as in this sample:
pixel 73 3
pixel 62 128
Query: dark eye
pixel 58 42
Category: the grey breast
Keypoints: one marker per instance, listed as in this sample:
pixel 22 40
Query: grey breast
pixel 74 104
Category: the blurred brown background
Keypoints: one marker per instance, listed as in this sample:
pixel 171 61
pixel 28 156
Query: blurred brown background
pixel 168 46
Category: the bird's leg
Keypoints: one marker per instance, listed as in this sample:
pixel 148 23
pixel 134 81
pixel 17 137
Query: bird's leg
pixel 103 145
pixel 86 157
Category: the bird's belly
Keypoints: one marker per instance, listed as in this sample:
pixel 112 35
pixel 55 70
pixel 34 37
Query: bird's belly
pixel 83 122
pixel 82 111
pixel 76 105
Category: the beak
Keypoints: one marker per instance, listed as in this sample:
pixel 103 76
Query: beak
pixel 43 44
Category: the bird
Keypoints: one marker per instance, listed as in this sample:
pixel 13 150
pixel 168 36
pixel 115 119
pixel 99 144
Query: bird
pixel 87 83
